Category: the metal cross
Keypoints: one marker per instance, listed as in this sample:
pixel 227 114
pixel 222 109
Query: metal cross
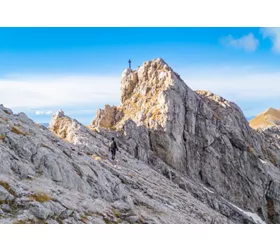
pixel 129 63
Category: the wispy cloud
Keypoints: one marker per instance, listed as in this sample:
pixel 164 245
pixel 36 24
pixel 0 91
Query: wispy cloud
pixel 43 112
pixel 248 43
pixel 274 35
pixel 44 93
pixel 235 86
pixel 253 90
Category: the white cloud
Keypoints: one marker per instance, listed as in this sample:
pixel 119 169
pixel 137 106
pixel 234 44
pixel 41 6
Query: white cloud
pixel 82 95
pixel 43 112
pixel 236 86
pixel 248 43
pixel 253 90
pixel 274 35
pixel 45 93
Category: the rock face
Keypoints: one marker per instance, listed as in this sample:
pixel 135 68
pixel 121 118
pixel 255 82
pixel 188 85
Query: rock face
pixel 199 135
pixel 64 176
pixel 107 117
pixel 184 157
pixel 269 118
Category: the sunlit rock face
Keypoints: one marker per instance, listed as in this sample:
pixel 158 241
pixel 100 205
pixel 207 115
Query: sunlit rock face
pixel 64 176
pixel 184 157
pixel 197 133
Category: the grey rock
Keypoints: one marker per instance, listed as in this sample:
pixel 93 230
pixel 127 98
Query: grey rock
pixel 202 136
pixel 6 208
pixel 40 211
pixel 4 194
pixel 184 157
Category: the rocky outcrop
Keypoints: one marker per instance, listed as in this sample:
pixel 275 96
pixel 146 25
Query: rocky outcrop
pixel 108 117
pixel 64 176
pixel 184 157
pixel 200 135
pixel 92 143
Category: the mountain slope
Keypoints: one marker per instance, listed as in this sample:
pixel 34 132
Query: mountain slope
pixel 185 157
pixel 198 134
pixel 45 179
pixel 270 117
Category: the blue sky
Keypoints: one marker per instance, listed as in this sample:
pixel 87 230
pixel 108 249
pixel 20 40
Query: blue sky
pixel 79 69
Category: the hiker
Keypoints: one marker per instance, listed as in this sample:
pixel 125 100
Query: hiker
pixel 113 148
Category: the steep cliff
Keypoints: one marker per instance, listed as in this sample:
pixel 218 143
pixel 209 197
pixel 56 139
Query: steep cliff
pixel 200 135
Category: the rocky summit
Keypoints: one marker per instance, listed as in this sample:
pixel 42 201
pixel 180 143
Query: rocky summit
pixel 184 157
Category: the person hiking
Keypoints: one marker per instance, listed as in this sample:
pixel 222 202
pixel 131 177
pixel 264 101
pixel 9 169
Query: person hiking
pixel 113 148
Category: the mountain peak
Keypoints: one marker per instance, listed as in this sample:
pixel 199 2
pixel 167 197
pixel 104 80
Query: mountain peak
pixel 270 117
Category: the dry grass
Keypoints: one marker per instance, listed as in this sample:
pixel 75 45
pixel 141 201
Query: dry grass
pixel 84 219
pixel 7 112
pixel 7 187
pixel 17 131
pixel 116 212
pixel 30 221
pixel 40 197
pixel 217 117
pixel 4 119
pixel 2 137
pixel 272 159
pixel 109 221
pixel 250 149
pixel 96 157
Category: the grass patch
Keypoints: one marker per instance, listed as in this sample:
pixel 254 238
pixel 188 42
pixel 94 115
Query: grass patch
pixel 108 221
pixel 250 149
pixel 7 187
pixel 272 158
pixel 4 119
pixel 40 197
pixel 30 221
pixel 116 212
pixel 7 112
pixel 2 137
pixel 84 219
pixel 17 131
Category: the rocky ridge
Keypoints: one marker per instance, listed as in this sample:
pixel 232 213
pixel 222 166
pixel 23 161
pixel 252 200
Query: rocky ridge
pixel 185 157
pixel 198 134
pixel 46 179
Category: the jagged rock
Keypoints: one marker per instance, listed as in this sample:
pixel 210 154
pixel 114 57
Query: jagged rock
pixel 40 211
pixel 6 110
pixel 184 157
pixel 48 175
pixel 200 135
pixel 108 117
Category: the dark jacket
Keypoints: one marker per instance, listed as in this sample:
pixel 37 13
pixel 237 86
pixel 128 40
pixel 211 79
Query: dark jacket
pixel 113 146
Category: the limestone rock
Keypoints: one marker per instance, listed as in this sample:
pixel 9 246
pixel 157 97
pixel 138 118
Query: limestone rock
pixel 184 157
pixel 55 177
pixel 197 135
pixel 108 117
